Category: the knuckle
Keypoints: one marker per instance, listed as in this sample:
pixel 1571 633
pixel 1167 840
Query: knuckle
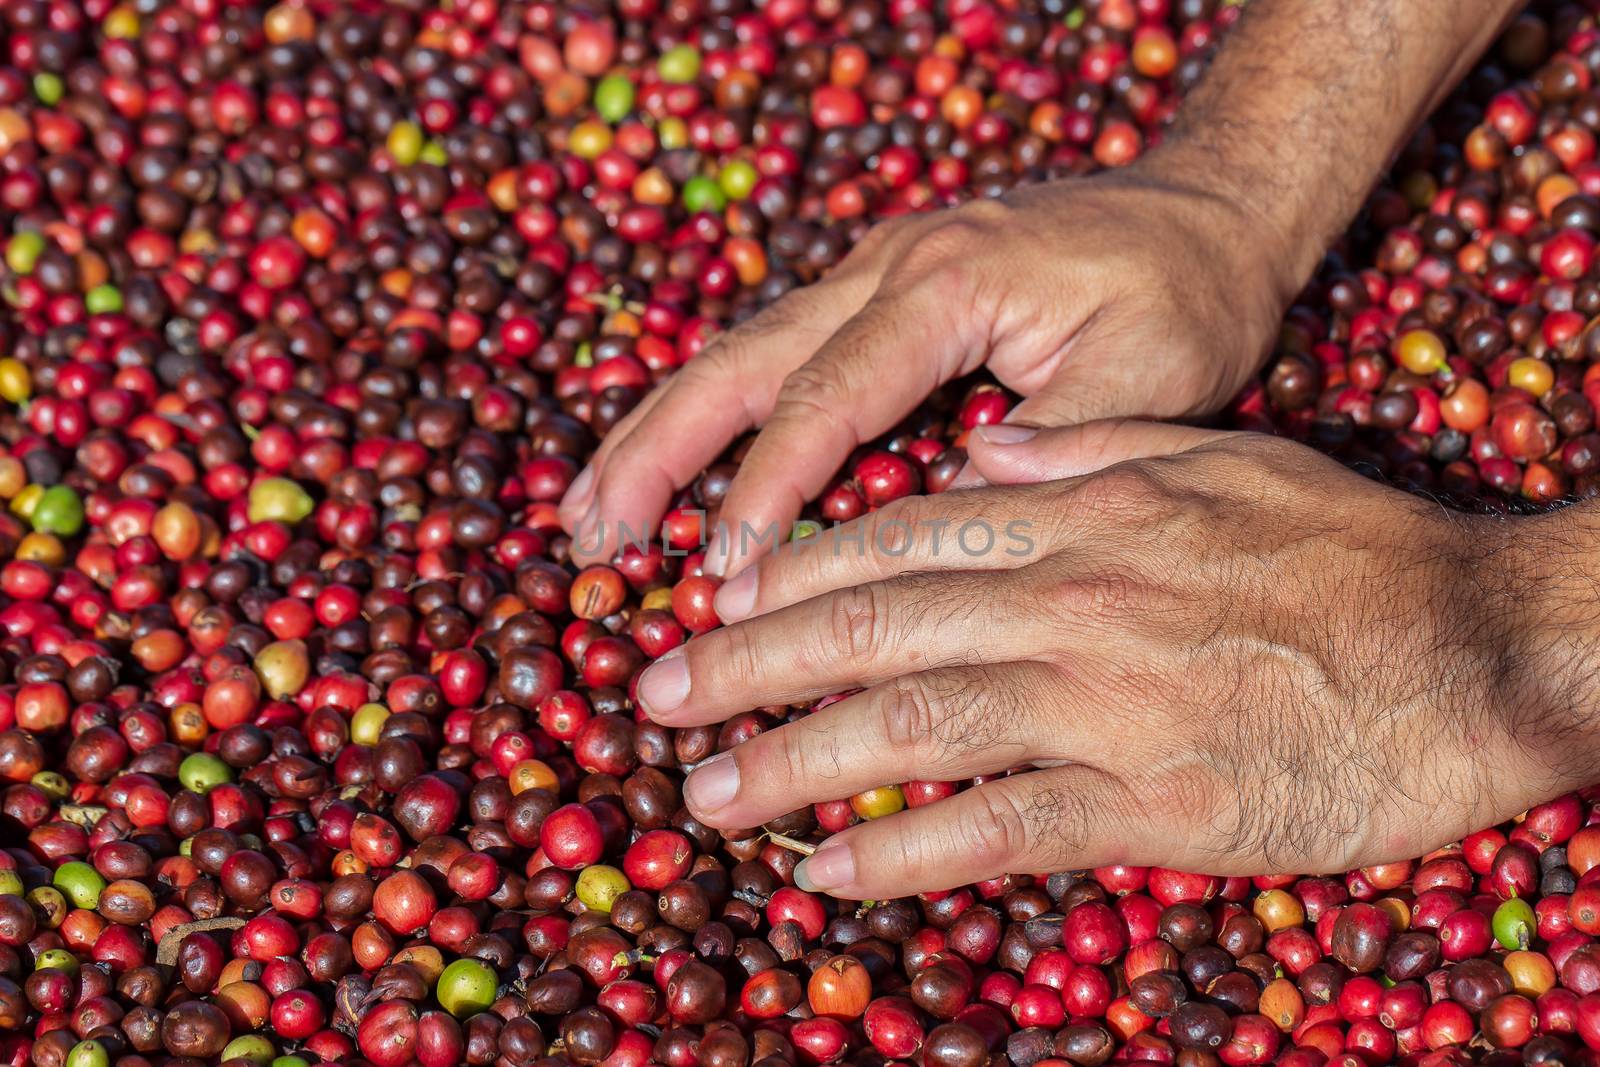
pixel 1106 596
pixel 937 248
pixel 972 711
pixel 1095 599
pixel 995 830
pixel 1123 488
pixel 858 622
pixel 1220 467
pixel 878 237
pixel 714 362
pixel 725 350
pixel 987 211
pixel 814 389
pixel 788 311
pixel 1064 821
pixel 1185 793
pixel 949 284
pixel 910 715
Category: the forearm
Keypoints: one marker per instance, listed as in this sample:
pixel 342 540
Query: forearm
pixel 1307 102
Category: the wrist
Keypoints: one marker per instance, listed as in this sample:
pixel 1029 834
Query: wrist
pixel 1541 574
pixel 1272 244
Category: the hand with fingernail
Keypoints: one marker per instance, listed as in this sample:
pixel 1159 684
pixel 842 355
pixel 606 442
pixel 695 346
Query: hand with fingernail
pixel 1216 652
pixel 1149 291
pixel 1132 306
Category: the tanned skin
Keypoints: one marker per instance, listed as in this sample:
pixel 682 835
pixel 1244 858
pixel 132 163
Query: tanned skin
pixel 1219 652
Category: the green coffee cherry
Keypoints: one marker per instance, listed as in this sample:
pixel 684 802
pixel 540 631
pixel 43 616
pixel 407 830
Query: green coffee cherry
pixel 201 772
pixel 1514 924
pixel 88 1054
pixel 599 886
pixel 703 194
pixel 466 987
pixel 679 64
pixel 53 784
pixel 49 88
pixel 59 511
pixel 613 97
pixel 103 300
pixel 253 1047
pixel 738 179
pixel 279 500
pixel 56 959
pixel 80 882
pixel 23 251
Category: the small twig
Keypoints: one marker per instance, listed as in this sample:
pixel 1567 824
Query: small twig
pixel 793 844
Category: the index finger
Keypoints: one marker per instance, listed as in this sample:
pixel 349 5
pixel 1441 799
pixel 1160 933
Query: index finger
pixel 851 637
pixel 694 415
pixel 868 376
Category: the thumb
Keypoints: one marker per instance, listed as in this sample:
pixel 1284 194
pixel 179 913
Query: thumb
pixel 1009 454
pixel 1069 399
pixel 1079 393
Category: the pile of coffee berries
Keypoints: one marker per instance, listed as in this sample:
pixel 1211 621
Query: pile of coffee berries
pixel 315 747
pixel 1451 340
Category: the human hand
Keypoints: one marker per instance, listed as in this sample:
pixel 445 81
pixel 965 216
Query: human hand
pixel 1130 293
pixel 1223 652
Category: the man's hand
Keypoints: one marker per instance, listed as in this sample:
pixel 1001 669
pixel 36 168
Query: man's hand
pixel 1222 652
pixel 1151 291
pixel 1131 293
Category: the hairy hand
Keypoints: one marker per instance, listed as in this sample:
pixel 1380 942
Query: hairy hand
pixel 1129 293
pixel 1217 652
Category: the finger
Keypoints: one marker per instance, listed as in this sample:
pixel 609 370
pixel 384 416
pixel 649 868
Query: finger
pixel 939 725
pixel 961 531
pixel 1063 818
pixel 820 309
pixel 575 503
pixel 853 637
pixel 695 415
pixel 1007 454
pixel 869 375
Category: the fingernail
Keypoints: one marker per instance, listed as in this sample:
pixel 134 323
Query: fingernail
pixel 712 784
pixel 968 478
pixel 737 599
pixel 830 867
pixel 716 561
pixel 664 685
pixel 578 491
pixel 1004 433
